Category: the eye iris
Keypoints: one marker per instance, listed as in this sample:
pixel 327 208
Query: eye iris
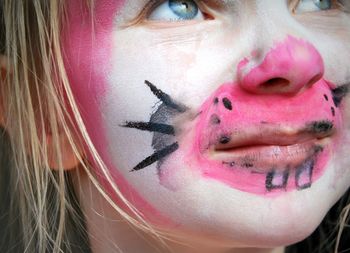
pixel 184 9
pixel 323 4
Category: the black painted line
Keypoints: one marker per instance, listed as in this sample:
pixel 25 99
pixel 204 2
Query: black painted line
pixel 269 178
pixel 156 156
pixel 165 98
pixel 300 170
pixel 151 127
pixel 339 93
pixel 333 111
pixel 320 127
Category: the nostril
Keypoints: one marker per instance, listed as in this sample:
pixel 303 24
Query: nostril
pixel 274 83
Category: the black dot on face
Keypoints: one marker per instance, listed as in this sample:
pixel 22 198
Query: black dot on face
pixel 216 100
pixel 215 120
pixel 333 111
pixel 231 164
pixel 227 103
pixel 224 139
pixel 247 165
pixel 325 97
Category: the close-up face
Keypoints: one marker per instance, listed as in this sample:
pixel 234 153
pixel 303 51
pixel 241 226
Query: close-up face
pixel 225 120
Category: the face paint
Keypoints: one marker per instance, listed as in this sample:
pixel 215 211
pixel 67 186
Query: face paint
pixel 157 124
pixel 87 47
pixel 212 135
pixel 260 144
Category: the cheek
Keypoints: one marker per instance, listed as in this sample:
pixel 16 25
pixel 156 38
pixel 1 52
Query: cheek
pixel 87 51
pixel 87 47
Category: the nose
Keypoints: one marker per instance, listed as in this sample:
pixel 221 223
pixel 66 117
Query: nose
pixel 291 66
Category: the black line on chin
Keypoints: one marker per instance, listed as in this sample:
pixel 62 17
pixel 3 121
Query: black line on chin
pixel 151 127
pixel 156 156
pixel 165 98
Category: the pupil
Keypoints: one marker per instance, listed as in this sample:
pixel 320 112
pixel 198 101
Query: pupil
pixel 323 4
pixel 184 9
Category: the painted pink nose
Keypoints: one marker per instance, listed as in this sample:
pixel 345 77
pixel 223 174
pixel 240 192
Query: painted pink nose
pixel 288 68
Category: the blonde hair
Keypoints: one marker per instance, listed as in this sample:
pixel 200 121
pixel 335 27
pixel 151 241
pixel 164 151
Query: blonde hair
pixel 33 102
pixel 32 95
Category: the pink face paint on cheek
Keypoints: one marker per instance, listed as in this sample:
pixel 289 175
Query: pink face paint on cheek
pixel 87 49
pixel 268 140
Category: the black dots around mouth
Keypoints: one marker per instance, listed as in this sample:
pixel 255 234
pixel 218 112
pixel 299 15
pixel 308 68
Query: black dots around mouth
pixel 247 165
pixel 333 111
pixel 224 139
pixel 227 103
pixel 216 100
pixel 282 184
pixel 230 164
pixel 321 127
pixel 215 120
pixel 325 97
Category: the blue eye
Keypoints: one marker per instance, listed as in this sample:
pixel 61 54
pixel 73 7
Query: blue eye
pixel 323 4
pixel 174 10
pixel 184 9
pixel 313 5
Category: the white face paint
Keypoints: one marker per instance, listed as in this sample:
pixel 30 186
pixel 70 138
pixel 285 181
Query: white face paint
pixel 287 139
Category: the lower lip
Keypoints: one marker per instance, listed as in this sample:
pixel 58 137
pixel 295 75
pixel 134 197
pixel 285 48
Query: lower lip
pixel 279 170
pixel 264 157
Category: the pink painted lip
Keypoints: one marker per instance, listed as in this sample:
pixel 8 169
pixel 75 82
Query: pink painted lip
pixel 265 144
pixel 268 146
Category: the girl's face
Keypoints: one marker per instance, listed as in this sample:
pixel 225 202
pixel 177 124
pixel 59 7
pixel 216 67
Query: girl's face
pixel 221 119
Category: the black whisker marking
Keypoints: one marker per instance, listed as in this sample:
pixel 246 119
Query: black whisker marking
pixel 156 156
pixel 165 98
pixel 320 127
pixel 339 93
pixel 151 127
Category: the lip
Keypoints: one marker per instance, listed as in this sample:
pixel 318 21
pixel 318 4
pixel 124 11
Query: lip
pixel 265 144
pixel 273 134
pixel 263 148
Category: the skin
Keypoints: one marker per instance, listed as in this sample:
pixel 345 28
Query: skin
pixel 232 54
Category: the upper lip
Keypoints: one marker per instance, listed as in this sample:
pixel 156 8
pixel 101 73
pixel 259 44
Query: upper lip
pixel 273 135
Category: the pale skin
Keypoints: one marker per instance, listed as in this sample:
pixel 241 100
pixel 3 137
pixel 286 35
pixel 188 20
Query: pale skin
pixel 190 60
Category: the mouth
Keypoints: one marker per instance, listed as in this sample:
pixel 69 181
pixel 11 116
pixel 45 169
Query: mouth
pixel 265 145
pixel 277 159
pixel 260 149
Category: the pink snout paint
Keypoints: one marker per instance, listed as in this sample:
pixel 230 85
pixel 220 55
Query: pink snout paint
pixel 272 130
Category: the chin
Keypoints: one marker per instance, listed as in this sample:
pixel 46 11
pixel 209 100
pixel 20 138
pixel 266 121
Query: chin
pixel 220 215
